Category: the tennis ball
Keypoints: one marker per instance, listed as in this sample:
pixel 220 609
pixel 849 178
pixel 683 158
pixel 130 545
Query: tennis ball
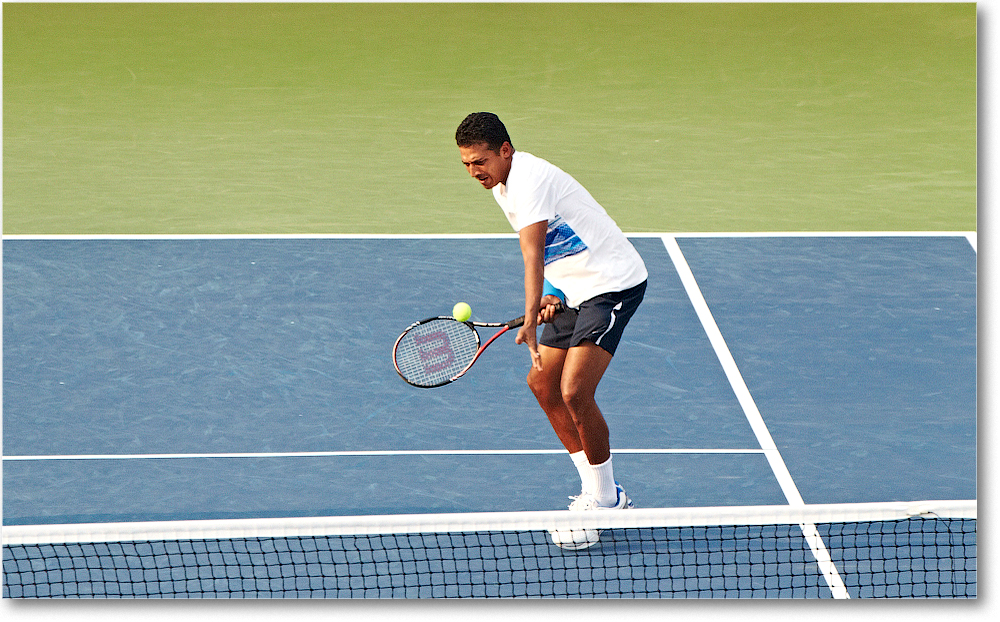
pixel 462 312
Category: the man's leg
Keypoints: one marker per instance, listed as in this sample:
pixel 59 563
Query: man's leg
pixel 582 371
pixel 547 387
pixel 583 368
pixel 565 390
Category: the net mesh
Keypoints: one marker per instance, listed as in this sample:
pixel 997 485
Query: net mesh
pixel 928 555
pixel 432 353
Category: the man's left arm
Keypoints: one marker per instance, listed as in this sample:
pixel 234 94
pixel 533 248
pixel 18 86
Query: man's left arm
pixel 532 239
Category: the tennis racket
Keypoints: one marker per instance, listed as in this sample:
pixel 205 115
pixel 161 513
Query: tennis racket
pixel 439 350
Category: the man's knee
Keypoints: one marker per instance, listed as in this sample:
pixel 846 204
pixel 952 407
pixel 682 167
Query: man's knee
pixel 576 395
pixel 544 387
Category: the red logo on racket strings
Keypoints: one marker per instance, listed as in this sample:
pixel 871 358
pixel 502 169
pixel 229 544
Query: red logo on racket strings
pixel 435 350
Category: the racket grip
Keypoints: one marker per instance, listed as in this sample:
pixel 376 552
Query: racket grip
pixel 520 321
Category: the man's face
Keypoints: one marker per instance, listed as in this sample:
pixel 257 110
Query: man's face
pixel 488 167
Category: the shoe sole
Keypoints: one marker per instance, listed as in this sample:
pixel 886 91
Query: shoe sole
pixel 590 540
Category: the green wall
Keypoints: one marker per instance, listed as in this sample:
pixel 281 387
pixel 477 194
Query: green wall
pixel 340 118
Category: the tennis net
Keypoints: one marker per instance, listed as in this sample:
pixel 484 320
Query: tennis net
pixel 893 550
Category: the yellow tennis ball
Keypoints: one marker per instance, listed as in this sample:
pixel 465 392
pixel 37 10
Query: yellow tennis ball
pixel 462 312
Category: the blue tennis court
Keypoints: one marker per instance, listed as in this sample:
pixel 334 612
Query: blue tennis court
pixel 238 377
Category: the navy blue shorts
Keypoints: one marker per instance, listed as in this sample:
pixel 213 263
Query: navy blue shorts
pixel 601 319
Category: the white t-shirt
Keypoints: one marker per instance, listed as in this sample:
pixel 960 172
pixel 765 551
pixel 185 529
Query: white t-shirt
pixel 586 254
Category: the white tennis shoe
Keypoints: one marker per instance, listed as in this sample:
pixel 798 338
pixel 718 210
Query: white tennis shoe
pixel 577 539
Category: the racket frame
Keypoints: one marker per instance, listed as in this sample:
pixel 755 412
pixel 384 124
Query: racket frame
pixel 505 326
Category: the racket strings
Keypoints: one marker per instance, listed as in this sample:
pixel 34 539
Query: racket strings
pixel 434 352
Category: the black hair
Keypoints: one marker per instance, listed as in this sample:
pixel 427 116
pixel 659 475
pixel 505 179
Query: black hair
pixel 482 127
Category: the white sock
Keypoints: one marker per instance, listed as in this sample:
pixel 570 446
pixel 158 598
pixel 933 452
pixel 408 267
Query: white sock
pixel 605 490
pixel 583 468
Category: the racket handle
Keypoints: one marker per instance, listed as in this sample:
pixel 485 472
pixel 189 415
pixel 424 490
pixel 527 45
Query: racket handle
pixel 520 321
pixel 515 323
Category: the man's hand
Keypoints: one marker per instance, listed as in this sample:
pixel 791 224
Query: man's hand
pixel 547 308
pixel 528 334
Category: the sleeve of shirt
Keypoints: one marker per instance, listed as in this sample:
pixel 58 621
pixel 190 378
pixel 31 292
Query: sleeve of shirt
pixel 530 199
pixel 548 289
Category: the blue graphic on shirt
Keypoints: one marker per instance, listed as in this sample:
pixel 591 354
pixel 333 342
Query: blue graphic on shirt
pixel 561 241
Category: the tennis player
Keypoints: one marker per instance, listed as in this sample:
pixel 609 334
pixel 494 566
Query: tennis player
pixel 574 253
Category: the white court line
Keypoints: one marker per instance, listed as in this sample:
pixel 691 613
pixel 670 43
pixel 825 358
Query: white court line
pixel 973 239
pixel 335 454
pixel 970 235
pixel 781 473
pixel 733 373
pixel 818 234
